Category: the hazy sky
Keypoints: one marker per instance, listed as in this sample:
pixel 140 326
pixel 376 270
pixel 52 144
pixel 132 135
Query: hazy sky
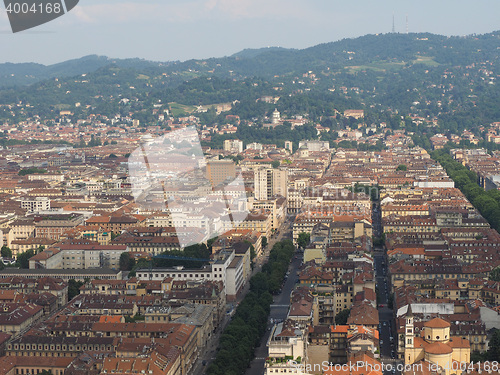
pixel 163 30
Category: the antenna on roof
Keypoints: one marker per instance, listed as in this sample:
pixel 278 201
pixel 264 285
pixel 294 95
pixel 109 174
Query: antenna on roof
pixel 407 24
pixel 393 25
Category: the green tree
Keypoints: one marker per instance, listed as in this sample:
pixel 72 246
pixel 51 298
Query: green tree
pixel 264 241
pixel 6 252
pixel 73 288
pixel 342 316
pixel 33 170
pixel 275 163
pixel 23 259
pixel 259 283
pixel 390 301
pixel 126 262
pixel 493 353
pixel 495 274
pixel 401 167
pixel 303 239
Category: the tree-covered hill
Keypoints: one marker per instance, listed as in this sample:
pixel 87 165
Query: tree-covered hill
pixel 450 78
pixel 14 75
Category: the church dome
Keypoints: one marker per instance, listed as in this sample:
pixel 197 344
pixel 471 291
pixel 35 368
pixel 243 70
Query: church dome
pixel 438 348
pixel 437 323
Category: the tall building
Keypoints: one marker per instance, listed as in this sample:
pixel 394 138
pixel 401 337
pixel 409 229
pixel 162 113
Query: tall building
pixel 233 145
pixel 219 171
pixel 269 182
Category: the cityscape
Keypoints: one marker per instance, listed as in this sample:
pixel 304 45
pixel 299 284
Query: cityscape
pixel 333 210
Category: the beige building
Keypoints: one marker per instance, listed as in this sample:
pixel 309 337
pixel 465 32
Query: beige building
pixel 435 345
pixel 276 206
pixel 260 221
pixel 270 182
pixel 219 171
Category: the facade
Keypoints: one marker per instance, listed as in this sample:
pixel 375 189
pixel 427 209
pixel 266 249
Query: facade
pixel 269 182
pixel 78 275
pixel 36 205
pixel 233 146
pixel 219 171
pixel 53 226
pixel 74 256
pixel 228 269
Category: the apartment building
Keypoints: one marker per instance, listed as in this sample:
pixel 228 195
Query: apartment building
pixel 227 268
pixel 220 171
pixel 55 225
pixel 233 145
pixel 269 182
pixel 74 255
pixel 36 205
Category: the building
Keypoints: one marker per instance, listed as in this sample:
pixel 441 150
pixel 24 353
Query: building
pixel 276 117
pixel 315 145
pixel 228 269
pixel 435 345
pixel 78 275
pixel 220 171
pixel 285 341
pixel 355 113
pixel 233 146
pixel 53 226
pixel 79 256
pixel 270 182
pixel 36 205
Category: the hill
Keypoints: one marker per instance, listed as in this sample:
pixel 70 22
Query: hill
pixel 23 74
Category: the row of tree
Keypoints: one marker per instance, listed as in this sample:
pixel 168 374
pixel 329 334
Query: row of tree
pixel 244 332
pixel 487 202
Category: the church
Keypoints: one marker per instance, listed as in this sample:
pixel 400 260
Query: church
pixel 435 345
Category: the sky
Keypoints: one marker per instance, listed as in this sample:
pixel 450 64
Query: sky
pixel 169 30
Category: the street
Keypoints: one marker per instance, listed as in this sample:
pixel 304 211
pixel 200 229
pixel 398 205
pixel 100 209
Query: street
pixel 279 308
pixel 387 330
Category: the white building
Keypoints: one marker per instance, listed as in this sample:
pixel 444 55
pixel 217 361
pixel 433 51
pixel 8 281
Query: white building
pixel 228 269
pixel 315 145
pixel 79 257
pixel 233 145
pixel 276 117
pixel 286 342
pixel 36 205
pixel 254 146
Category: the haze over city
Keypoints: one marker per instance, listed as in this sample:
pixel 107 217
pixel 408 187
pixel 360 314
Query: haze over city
pixel 185 29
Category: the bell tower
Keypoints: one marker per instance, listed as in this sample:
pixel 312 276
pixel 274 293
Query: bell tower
pixel 409 328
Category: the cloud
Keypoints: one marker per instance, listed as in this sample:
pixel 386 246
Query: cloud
pixel 194 10
pixel 249 9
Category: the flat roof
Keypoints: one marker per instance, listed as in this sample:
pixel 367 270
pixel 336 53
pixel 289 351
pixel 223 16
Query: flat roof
pixel 26 272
